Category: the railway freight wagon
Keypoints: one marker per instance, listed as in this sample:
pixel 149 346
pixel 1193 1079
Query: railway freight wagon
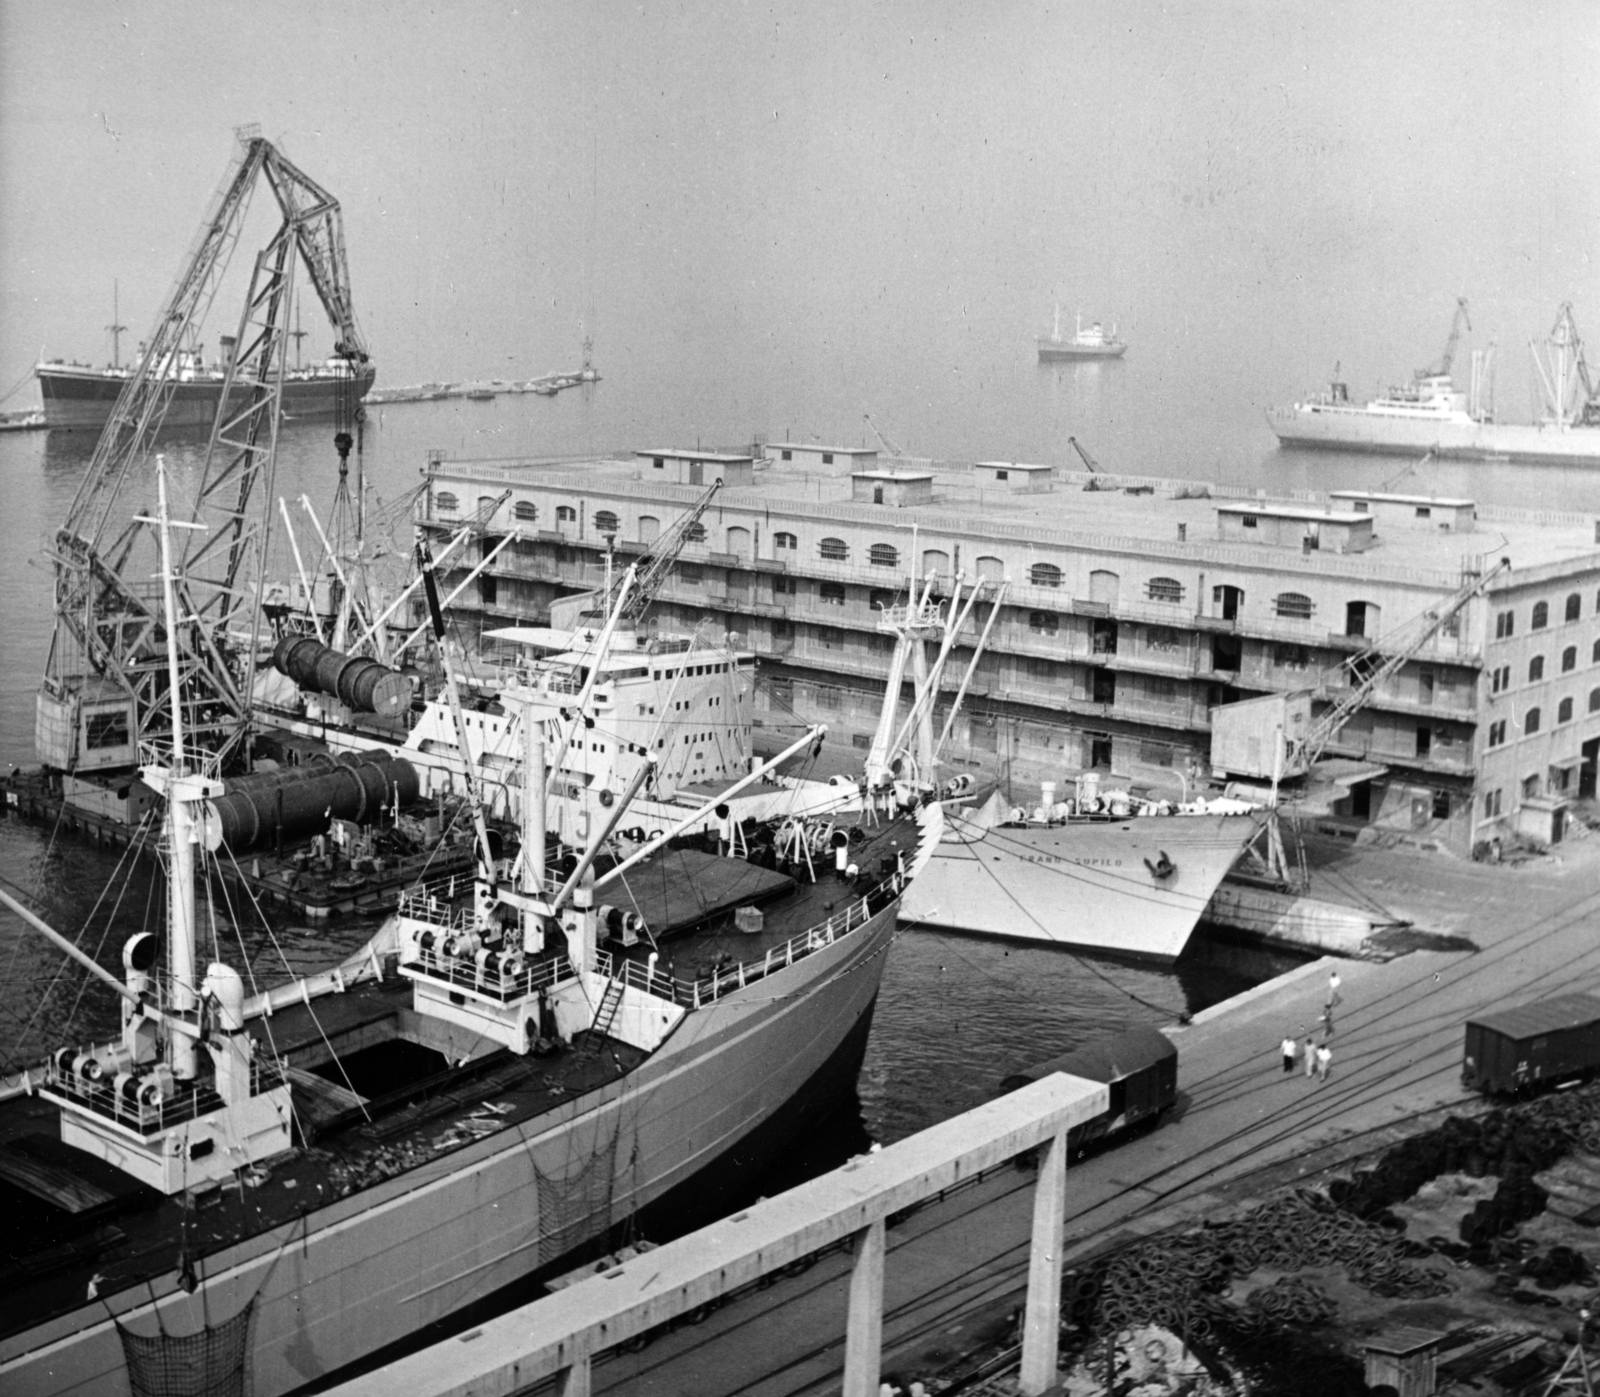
pixel 1140 1067
pixel 1533 1045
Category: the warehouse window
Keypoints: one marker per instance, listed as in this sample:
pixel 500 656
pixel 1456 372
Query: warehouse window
pixel 605 522
pixel 1541 616
pixel 782 541
pixel 690 574
pixel 1044 622
pixel 832 593
pixel 1574 606
pixel 1536 669
pixel 1564 711
pixel 1505 624
pixel 526 510
pixel 1497 732
pixel 696 532
pixel 1162 639
pixel 1045 575
pixel 1500 679
pixel 1530 723
pixel 829 638
pixel 1167 589
pixel 1293 605
pixel 1291 657
pixel 1595 657
pixel 1491 804
pixel 835 550
pixel 1594 700
pixel 883 555
pixel 444 500
pixel 566 514
pixel 1569 659
pixel 880 600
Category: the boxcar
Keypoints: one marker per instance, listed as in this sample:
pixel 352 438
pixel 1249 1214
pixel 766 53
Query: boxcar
pixel 1139 1066
pixel 1533 1045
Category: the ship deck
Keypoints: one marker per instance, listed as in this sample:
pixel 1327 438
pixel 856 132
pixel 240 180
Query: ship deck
pixel 370 1104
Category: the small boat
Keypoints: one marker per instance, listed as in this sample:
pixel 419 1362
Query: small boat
pixel 1088 342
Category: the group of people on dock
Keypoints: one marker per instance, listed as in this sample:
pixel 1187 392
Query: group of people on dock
pixel 1317 1057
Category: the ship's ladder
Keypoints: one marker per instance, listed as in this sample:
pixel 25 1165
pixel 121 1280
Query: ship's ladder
pixel 605 1015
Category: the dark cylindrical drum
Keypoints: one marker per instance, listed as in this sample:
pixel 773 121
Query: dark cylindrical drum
pixel 361 683
pixel 357 787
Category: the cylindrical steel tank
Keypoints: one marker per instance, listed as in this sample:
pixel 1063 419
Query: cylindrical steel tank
pixel 301 799
pixel 363 684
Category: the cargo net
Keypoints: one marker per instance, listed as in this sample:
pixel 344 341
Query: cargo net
pixel 576 1208
pixel 207 1364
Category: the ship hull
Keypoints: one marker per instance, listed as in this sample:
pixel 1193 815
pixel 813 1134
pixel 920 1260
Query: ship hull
pixel 1352 429
pixel 1050 349
pixel 1090 886
pixel 371 1270
pixel 82 399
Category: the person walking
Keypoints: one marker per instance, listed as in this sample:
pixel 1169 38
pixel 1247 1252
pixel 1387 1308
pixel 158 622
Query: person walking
pixel 1333 989
pixel 1290 1050
pixel 1327 1021
pixel 1324 1062
pixel 1311 1057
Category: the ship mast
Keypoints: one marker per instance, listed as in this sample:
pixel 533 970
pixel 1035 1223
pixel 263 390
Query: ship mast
pixel 116 329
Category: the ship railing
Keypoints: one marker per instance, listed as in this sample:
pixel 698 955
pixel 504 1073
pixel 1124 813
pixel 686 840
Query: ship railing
pixel 487 982
pixel 188 1101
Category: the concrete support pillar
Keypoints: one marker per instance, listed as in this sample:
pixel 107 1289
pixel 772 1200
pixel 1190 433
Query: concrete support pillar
pixel 863 1342
pixel 576 1379
pixel 1041 1323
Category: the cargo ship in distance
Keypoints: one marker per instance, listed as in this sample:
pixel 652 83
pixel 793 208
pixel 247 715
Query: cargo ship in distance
pixel 79 397
pixel 1429 413
pixel 1089 342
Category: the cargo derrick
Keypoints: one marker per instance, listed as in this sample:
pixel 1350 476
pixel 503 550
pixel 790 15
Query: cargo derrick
pixel 105 689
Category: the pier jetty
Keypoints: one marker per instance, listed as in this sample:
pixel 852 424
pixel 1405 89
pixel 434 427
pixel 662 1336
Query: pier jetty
pixel 482 390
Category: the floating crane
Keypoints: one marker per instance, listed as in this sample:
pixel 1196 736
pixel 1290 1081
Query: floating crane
pixel 1441 368
pixel 105 687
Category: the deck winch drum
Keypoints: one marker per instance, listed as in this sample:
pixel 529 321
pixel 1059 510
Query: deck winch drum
pixel 362 683
pixel 301 800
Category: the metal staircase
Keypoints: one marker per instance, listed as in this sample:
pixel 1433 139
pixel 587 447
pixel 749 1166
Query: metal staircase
pixel 604 1016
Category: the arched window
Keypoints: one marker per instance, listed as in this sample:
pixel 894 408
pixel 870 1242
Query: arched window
pixel 695 533
pixel 832 593
pixel 835 550
pixel 566 514
pixel 446 501
pixel 1293 605
pixel 883 555
pixel 782 541
pixel 990 569
pixel 1530 723
pixel 1044 622
pixel 1569 659
pixel 1165 589
pixel 1044 575
pixel 1564 711
pixel 526 510
pixel 1536 669
pixel 1541 616
pixel 1574 606
pixel 605 522
pixel 649 528
pixel 485 504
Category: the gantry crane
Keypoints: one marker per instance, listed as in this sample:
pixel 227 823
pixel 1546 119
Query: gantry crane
pixel 1442 367
pixel 105 688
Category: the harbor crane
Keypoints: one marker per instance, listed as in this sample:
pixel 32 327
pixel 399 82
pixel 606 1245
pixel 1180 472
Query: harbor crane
pixel 1567 378
pixel 1372 667
pixel 888 445
pixel 1442 367
pixel 655 566
pixel 105 689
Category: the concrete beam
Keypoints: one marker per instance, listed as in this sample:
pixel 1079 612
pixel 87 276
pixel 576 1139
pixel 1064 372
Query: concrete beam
pixel 558 1333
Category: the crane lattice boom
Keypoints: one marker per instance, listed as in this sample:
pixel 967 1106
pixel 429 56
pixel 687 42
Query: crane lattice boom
pixel 105 689
pixel 1442 367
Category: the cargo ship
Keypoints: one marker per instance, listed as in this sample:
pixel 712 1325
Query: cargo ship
pixel 1100 872
pixel 1088 342
pixel 1429 413
pixel 258 1190
pixel 79 397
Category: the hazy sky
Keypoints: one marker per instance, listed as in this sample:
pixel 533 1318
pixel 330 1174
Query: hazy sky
pixel 756 207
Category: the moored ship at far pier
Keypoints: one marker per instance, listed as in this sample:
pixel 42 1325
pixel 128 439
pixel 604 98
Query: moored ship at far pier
pixel 1429 413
